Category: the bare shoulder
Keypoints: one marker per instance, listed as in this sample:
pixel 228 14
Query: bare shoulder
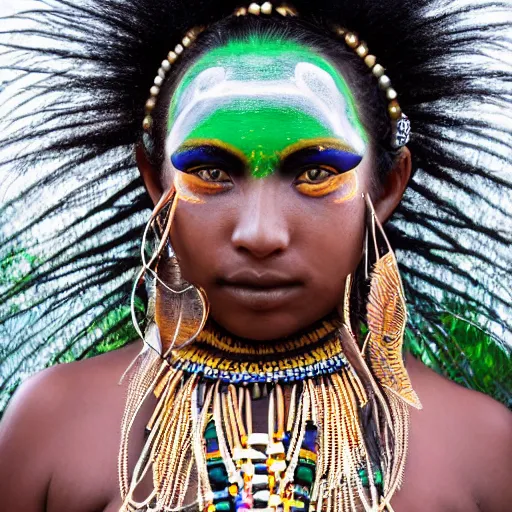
pixel 472 431
pixel 53 418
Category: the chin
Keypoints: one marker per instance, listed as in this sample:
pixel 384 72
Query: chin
pixel 263 325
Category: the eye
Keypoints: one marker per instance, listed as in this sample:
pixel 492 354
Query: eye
pixel 212 175
pixel 315 175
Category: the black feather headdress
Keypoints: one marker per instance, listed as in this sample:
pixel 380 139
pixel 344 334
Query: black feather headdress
pixel 75 76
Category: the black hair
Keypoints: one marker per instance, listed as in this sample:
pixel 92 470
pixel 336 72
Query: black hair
pixel 320 37
pixel 77 76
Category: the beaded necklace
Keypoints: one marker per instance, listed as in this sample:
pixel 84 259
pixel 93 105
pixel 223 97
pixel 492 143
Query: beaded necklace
pixel 338 444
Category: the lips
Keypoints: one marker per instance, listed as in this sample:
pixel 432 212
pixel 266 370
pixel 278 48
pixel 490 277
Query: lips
pixel 260 290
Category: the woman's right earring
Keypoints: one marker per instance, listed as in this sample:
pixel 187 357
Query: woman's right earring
pixel 176 310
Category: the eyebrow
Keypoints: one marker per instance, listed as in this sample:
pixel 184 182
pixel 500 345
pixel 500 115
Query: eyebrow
pixel 321 154
pixel 207 152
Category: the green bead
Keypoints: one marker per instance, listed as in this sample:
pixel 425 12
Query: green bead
pixel 363 475
pixel 304 475
pixel 223 506
pixel 218 475
pixel 377 476
pixel 210 431
pixel 307 462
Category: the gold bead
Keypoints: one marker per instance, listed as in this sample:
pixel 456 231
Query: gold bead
pixel 266 8
pixel 286 10
pixel 362 50
pixel 394 110
pixel 340 31
pixel 242 11
pixel 378 70
pixel 370 60
pixel 171 57
pixel 146 123
pixel 254 8
pixel 351 40
pixel 150 104
pixel 384 82
pixel 186 41
pixel 391 94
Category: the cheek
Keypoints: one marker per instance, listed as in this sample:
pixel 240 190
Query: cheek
pixel 336 237
pixel 200 232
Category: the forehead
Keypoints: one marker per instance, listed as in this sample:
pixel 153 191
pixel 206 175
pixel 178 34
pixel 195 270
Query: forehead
pixel 264 90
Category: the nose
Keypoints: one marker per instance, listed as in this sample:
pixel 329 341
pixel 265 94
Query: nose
pixel 261 228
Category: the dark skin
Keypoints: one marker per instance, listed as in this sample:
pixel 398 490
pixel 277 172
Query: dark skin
pixel 59 439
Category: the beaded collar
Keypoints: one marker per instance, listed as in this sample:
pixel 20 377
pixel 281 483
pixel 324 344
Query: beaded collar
pixel 218 355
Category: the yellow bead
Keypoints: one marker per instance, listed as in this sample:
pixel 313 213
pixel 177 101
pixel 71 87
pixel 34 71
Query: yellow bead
pixel 370 60
pixel 147 122
pixel 186 41
pixel 395 112
pixel 233 490
pixel 171 57
pixel 362 50
pixel 211 508
pixel 150 104
pixel 242 11
pixel 351 40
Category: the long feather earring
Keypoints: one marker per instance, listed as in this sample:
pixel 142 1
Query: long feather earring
pixel 387 317
pixel 175 314
pixel 379 362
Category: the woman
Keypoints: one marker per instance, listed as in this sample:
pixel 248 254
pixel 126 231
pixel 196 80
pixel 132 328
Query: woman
pixel 273 146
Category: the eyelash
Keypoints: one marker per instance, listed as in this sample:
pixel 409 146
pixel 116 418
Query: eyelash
pixel 330 171
pixel 205 174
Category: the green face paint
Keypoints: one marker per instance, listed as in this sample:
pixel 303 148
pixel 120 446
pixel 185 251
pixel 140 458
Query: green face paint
pixel 256 99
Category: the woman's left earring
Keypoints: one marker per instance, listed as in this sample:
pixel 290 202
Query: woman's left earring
pixel 386 314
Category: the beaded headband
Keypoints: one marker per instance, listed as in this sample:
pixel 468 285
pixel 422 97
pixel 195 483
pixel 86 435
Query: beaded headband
pixel 401 126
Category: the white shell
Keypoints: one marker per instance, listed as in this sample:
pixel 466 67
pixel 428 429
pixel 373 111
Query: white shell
pixel 254 8
pixel 266 8
pixel 166 65
pixel 158 81
pixel 178 49
pixel 384 82
pixel 258 439
pixel 378 70
pixel 391 94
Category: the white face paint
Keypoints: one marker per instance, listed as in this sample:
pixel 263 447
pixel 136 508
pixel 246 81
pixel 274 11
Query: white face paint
pixel 308 89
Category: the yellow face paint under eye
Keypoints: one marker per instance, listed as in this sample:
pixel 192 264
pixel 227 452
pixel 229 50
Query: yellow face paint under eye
pixel 344 186
pixel 190 187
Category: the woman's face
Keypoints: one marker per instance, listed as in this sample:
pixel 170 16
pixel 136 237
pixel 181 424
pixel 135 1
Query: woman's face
pixel 269 161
